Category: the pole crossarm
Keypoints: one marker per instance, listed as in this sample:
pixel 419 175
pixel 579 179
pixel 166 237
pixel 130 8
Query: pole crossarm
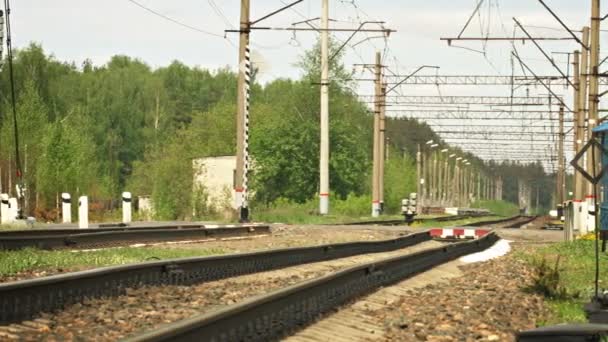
pixel 353 35
pixel 560 99
pixel 462 112
pixel 450 39
pixel 480 80
pixel 409 76
pixel 276 12
pixel 559 20
pixel 431 118
pixel 521 27
pixel 481 100
pixel 520 127
pixel 497 133
pixel 543 141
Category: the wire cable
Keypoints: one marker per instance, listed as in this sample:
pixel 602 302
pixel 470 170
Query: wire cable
pixel 190 27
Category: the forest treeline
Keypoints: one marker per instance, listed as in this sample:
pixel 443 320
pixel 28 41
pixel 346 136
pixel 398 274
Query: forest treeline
pixel 100 130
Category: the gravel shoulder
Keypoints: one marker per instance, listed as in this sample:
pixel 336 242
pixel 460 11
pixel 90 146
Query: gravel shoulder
pixel 489 302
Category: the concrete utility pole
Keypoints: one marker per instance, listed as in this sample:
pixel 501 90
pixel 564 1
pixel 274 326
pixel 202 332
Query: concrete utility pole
pixel 324 158
pixel 382 146
pixel 537 200
pixel 440 184
pixel 433 179
pixel 376 143
pixel 447 187
pixel 594 60
pixel 578 124
pixel 560 161
pixel 582 95
pixel 418 179
pixel 240 186
pixel 446 181
pixel 465 185
pixel 457 173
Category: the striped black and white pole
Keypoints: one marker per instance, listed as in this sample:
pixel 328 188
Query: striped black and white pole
pixel 247 94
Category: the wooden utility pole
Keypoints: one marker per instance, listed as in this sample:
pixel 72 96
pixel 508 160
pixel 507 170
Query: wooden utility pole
pixel 381 146
pixel 560 161
pixel 240 182
pixel 324 153
pixel 376 137
pixel 579 122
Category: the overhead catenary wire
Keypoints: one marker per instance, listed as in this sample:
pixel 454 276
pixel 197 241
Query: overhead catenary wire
pixel 177 22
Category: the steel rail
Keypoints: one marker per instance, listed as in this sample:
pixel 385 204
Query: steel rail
pixel 518 225
pixel 480 224
pixel 418 220
pixel 280 313
pixel 23 300
pixel 85 238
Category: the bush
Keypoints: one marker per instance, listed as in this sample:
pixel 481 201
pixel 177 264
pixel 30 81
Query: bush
pixel 546 280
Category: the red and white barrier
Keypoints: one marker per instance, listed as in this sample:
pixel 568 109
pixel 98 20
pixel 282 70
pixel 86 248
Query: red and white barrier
pixel 458 233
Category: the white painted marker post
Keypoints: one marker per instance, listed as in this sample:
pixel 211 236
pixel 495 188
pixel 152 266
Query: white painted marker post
pixel 590 214
pixel 13 211
pixel 66 207
pixel 83 212
pixel 4 209
pixel 126 207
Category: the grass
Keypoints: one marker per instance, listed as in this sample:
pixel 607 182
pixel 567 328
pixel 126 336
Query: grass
pixel 6 227
pixel 13 262
pixel 500 208
pixel 575 277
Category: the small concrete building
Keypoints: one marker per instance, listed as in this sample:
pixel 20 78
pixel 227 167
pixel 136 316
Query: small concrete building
pixel 216 176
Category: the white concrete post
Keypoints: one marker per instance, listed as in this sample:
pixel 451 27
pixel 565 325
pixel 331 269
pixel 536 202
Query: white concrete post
pixel 582 219
pixel 83 212
pixel 590 214
pixel 126 207
pixel 4 209
pixel 66 207
pixel 577 225
pixel 13 211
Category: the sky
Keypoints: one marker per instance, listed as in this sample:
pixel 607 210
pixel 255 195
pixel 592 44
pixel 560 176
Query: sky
pixel 75 30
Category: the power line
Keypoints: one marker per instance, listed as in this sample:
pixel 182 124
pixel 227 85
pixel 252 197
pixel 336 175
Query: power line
pixel 190 27
pixel 220 13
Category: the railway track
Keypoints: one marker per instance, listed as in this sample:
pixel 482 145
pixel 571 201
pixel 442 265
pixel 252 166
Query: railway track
pixel 283 312
pixel 212 297
pixel 118 236
pixel 419 220
pixel 511 222
pixel 150 307
pixel 25 299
